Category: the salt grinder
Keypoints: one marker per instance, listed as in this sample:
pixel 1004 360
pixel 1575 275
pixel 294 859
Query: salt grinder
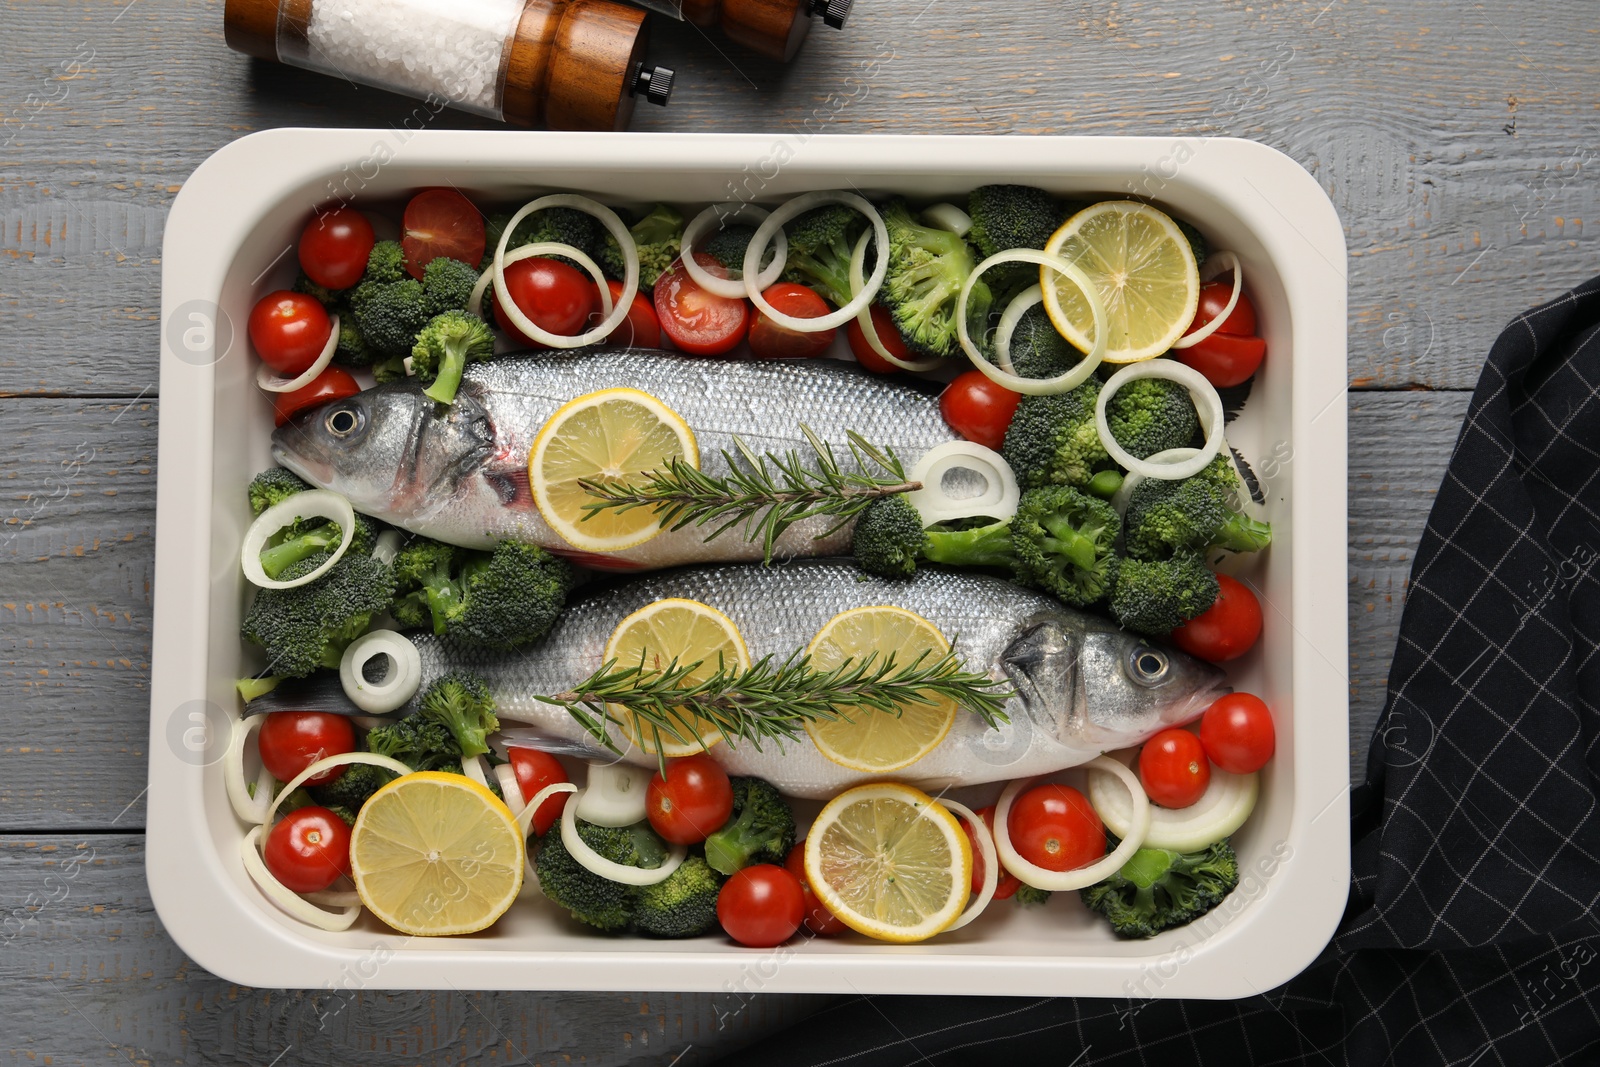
pixel 773 28
pixel 559 64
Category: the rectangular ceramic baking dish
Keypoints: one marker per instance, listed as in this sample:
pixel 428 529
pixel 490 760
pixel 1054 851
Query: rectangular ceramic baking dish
pixel 230 237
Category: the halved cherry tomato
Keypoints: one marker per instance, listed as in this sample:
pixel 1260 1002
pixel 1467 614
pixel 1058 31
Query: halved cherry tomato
pixel 818 919
pixel 1007 884
pixel 1224 359
pixel 978 409
pixel 535 770
pixel 441 222
pixel 557 296
pixel 1227 629
pixel 768 340
pixel 691 802
pixel 1213 298
pixel 698 322
pixel 1237 733
pixel 865 354
pixel 1055 827
pixel 641 329
pixel 334 383
pixel 291 741
pixel 288 331
pixel 334 247
pixel 761 906
pixel 308 850
pixel 1173 768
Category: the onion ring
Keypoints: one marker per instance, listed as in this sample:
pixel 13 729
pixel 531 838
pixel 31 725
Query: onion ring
pixel 998 500
pixel 730 287
pixel 401 683
pixel 525 816
pixel 1008 324
pixel 284 897
pixel 788 210
pixel 630 280
pixel 310 504
pixel 946 216
pixel 1226 803
pixel 991 864
pixel 869 329
pixel 510 788
pixel 1060 881
pixel 1207 404
pixel 1069 379
pixel 1223 260
pixel 542 248
pixel 270 382
pixel 595 863
pixel 249 808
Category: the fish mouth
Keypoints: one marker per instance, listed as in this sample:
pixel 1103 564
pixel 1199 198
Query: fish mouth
pixel 317 473
pixel 1184 712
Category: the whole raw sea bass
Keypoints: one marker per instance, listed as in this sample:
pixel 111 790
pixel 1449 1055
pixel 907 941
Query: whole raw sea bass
pixel 1082 685
pixel 459 474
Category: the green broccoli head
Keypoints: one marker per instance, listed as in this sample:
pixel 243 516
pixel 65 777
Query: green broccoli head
pixel 464 706
pixel 761 829
pixel 1150 415
pixel 658 238
pixel 308 626
pixel 1158 889
pixel 420 742
pixel 385 263
pixel 1156 596
pixel 563 225
pixel 273 486
pixel 727 245
pixel 389 314
pixel 685 905
pixel 1196 239
pixel 1065 541
pixel 821 242
pixel 1028 896
pixel 1191 514
pixel 888 538
pixel 424 587
pixel 445 346
pixel 591 899
pixel 447 284
pixel 1011 216
pixel 509 596
pixel 356 782
pixel 353 350
pixel 391 369
pixel 926 272
pixel 328 298
pixel 1052 439
pixel 1037 348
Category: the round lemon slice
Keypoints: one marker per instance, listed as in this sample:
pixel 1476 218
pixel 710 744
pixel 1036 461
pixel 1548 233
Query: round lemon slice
pixel 612 437
pixel 434 854
pixel 685 632
pixel 875 741
pixel 890 862
pixel 1144 269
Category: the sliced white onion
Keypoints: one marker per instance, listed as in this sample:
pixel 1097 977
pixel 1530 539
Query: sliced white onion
pixel 614 794
pixel 716 215
pixel 510 788
pixel 285 898
pixel 1206 402
pixel 1221 810
pixel 991 864
pixel 268 379
pixel 328 763
pixel 310 504
pixel 1215 265
pixel 774 223
pixel 249 808
pixel 997 501
pixel 630 280
pixel 525 816
pixel 595 863
pixel 399 685
pixel 528 251
pixel 1124 493
pixel 869 329
pixel 388 546
pixel 946 216
pixel 1060 881
pixel 472 767
pixel 1012 315
pixel 1069 379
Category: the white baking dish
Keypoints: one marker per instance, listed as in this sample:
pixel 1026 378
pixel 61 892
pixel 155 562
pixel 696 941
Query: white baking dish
pixel 230 234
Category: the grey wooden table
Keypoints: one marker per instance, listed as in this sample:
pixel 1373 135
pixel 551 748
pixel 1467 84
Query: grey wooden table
pixel 1451 135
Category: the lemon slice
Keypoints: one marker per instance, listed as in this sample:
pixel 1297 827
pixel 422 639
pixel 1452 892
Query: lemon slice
pixel 612 437
pixel 685 631
pixel 435 854
pixel 1145 271
pixel 876 741
pixel 890 862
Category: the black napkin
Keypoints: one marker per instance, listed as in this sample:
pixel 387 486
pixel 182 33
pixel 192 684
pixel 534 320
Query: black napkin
pixel 1470 937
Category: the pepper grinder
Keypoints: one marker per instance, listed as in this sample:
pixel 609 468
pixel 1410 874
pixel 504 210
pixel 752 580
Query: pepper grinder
pixel 560 64
pixel 773 28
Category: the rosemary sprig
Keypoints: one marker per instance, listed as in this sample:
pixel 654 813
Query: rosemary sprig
pixel 771 699
pixel 782 490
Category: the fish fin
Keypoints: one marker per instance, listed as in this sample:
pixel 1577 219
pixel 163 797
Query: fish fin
pixel 320 691
pixel 511 486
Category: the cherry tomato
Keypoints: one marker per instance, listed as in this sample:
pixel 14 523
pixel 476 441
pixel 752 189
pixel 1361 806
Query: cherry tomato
pixel 761 906
pixel 441 222
pixel 818 919
pixel 768 340
pixel 557 296
pixel 691 802
pixel 1007 885
pixel 978 409
pixel 289 331
pixel 698 322
pixel 640 329
pixel 535 770
pixel 1173 768
pixel 865 354
pixel 334 383
pixel 308 850
pixel 1227 629
pixel 1056 827
pixel 1237 733
pixel 291 741
pixel 1213 298
pixel 1224 359
pixel 334 247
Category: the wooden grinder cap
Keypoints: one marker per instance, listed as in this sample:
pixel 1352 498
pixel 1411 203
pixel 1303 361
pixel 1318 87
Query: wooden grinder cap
pixel 574 65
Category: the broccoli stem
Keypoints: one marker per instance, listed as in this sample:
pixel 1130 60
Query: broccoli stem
pixel 1065 540
pixel 1105 484
pixel 451 367
pixel 250 688
pixel 443 598
pixel 1240 534
pixel 983 546
pixel 279 558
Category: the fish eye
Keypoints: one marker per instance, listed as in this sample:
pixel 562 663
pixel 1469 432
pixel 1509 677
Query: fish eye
pixel 1148 665
pixel 342 422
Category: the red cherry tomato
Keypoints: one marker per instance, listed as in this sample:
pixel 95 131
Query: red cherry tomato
pixel 1173 768
pixel 441 222
pixel 1007 885
pixel 334 247
pixel 865 354
pixel 1237 733
pixel 640 329
pixel 1227 629
pixel 291 741
pixel 1224 359
pixel 978 409
pixel 308 850
pixel 819 920
pixel 535 770
pixel 334 383
pixel 1055 827
pixel 761 906
pixel 691 802
pixel 699 322
pixel 289 331
pixel 768 340
pixel 557 296
pixel 1213 298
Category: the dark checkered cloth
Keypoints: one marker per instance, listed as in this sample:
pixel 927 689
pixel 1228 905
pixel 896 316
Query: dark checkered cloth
pixel 1470 937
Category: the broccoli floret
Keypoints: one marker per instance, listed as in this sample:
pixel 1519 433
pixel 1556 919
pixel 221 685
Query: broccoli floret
pixel 420 742
pixel 313 537
pixel 1028 896
pixel 820 245
pixel 308 626
pixel 564 225
pixel 889 538
pixel 728 245
pixel 1197 241
pixel 447 284
pixel 1052 439
pixel 385 263
pixel 498 599
pixel 658 237
pixel 350 790
pixel 590 898
pixel 685 905
pixel 927 269
pixel 1037 348
pixel 462 704
pixel 1064 542
pixel 353 350
pixel 1156 596
pixel 273 486
pixel 1158 889
pixel 1191 514
pixel 1150 415
pixel 761 829
pixel 1011 216
pixel 392 369
pixel 328 298
pixel 390 314
pixel 445 346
